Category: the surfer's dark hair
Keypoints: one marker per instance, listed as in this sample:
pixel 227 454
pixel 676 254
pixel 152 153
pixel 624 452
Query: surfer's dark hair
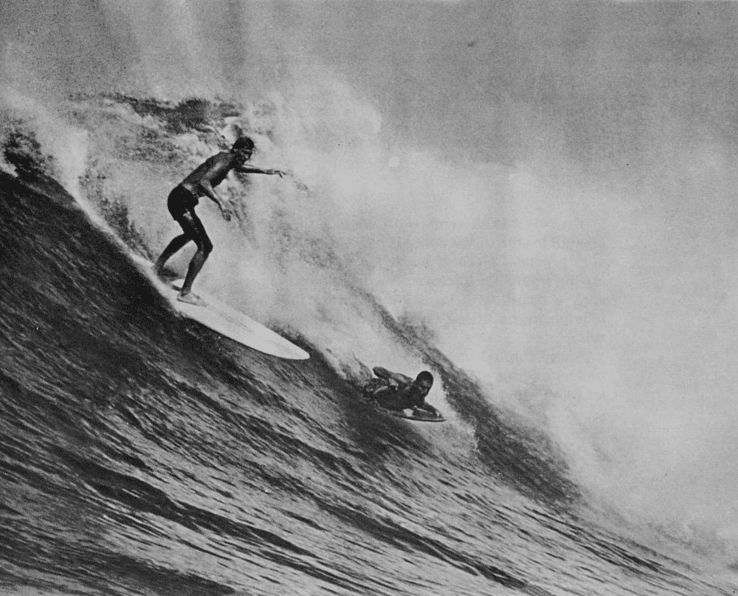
pixel 425 376
pixel 243 143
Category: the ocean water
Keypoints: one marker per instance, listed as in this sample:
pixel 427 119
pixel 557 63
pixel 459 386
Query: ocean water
pixel 143 454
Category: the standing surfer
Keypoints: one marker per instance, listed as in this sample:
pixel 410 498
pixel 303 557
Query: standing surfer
pixel 185 197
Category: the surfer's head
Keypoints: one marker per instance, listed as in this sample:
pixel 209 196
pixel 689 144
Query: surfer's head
pixel 244 147
pixel 423 382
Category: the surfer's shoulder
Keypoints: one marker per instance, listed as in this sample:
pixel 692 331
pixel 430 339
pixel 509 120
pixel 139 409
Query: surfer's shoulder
pixel 220 159
pixel 210 168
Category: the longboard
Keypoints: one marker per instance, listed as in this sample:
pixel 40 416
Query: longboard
pixel 226 320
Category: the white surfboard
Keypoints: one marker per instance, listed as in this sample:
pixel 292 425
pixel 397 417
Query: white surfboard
pixel 227 321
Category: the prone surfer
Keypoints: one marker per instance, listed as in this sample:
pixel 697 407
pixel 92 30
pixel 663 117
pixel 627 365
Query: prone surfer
pixel 185 197
pixel 395 391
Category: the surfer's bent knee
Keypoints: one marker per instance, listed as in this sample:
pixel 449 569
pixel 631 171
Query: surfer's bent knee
pixel 202 239
pixel 206 246
pixel 195 231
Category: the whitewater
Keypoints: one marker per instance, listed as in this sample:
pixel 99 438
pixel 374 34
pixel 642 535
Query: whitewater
pixel 587 444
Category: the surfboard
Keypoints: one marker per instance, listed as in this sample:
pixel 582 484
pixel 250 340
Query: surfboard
pixel 416 415
pixel 225 320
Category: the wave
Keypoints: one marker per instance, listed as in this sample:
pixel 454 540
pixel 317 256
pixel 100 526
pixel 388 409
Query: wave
pixel 504 445
pixel 93 357
pixel 130 434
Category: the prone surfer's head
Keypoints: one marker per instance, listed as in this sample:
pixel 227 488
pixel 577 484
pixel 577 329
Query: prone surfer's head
pixel 244 147
pixel 423 382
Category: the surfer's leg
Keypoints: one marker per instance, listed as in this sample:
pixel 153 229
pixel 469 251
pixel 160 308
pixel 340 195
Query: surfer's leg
pixel 175 245
pixel 196 232
pixel 179 203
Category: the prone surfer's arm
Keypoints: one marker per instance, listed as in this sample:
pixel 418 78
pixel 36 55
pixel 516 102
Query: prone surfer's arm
pixel 394 379
pixel 381 372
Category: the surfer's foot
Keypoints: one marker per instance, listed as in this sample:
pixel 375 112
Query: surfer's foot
pixel 190 298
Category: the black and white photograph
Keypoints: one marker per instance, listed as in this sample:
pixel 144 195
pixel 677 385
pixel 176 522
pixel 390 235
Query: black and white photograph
pixel 368 297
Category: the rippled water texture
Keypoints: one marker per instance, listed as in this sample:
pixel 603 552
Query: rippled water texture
pixel 143 454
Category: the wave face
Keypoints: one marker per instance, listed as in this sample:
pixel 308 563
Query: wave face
pixel 143 454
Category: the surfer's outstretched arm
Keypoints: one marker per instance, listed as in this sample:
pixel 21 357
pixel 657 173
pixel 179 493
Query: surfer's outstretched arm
pixel 249 169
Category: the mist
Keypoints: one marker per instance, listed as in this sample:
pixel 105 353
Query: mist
pixel 549 187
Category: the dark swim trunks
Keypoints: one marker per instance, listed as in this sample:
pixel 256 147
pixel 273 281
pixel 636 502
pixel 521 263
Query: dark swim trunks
pixel 181 205
pixel 180 201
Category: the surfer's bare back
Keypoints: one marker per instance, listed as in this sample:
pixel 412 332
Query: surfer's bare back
pixel 185 197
